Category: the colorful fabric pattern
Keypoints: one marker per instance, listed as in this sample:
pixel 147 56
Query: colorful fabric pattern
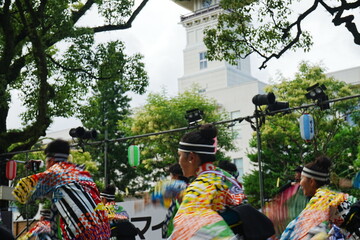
pixel 40 229
pixel 197 217
pixel 325 205
pixel 169 193
pixel 74 197
pixel 116 212
pixel 285 207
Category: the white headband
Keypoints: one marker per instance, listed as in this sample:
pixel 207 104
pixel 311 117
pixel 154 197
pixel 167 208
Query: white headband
pixel 320 176
pixel 196 148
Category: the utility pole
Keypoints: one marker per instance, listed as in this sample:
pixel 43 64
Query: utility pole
pixel 106 168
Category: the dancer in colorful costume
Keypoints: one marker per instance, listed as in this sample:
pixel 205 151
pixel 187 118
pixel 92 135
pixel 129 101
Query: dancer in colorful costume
pixel 325 210
pixel 210 192
pixel 169 194
pixel 73 193
pixel 42 228
pixel 287 204
pixel 121 227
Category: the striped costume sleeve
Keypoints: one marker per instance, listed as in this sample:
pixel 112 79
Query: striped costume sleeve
pixel 25 188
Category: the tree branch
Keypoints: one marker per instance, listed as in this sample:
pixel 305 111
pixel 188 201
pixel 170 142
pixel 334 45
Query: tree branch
pixel 348 20
pixel 77 15
pixel 76 69
pixel 286 31
pixel 126 25
pixel 28 136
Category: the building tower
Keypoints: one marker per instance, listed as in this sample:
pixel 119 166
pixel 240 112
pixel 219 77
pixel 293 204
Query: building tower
pixel 232 86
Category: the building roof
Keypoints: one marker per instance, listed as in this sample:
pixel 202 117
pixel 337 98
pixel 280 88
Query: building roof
pixel 188 4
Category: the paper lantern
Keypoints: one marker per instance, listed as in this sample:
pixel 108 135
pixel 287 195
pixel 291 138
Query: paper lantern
pixel 307 127
pixel 134 155
pixel 11 169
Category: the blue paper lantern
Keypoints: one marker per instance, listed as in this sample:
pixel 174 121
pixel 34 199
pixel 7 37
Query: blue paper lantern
pixel 307 128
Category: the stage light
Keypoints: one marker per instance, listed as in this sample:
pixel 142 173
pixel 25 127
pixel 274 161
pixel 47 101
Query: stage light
pixel 194 116
pixel 81 133
pixel 277 106
pixel 264 99
pixel 316 93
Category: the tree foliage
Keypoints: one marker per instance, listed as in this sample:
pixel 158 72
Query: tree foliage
pixel 163 113
pixel 283 149
pixel 109 104
pixel 51 60
pixel 270 28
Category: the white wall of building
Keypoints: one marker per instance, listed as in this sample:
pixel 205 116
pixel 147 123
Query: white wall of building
pixel 350 75
pixel 232 87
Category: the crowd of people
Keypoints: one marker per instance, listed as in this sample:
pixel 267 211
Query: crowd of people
pixel 204 200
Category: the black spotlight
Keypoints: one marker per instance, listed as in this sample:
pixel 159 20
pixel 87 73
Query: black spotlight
pixel 81 133
pixel 316 93
pixel 77 132
pixel 91 134
pixel 277 106
pixel 194 116
pixel 264 99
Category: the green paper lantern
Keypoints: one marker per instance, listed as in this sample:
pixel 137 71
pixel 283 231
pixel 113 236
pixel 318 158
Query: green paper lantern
pixel 134 155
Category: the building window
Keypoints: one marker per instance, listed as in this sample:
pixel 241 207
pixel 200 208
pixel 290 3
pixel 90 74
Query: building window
pixel 206 3
pixel 240 167
pixel 203 60
pixel 236 129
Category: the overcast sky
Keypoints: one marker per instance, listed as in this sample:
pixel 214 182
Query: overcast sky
pixel 159 36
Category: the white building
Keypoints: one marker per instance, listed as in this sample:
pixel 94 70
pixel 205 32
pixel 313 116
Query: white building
pixel 350 75
pixel 232 86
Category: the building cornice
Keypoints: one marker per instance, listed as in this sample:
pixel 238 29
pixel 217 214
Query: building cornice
pixel 201 16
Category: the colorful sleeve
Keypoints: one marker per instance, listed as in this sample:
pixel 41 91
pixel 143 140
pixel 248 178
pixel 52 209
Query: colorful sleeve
pixel 197 216
pixel 35 186
pixel 339 208
pixel 25 188
pixel 235 194
pixel 165 191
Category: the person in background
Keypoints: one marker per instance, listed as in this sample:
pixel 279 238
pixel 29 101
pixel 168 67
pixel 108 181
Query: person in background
pixel 229 167
pixel 176 174
pixel 294 182
pixel 297 176
pixel 42 228
pixel 210 192
pixel 121 227
pixel 326 208
pixel 73 193
pixel 233 171
pixel 286 204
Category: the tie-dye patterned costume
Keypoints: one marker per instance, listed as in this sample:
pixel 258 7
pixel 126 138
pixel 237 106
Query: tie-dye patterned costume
pixel 74 198
pixel 116 212
pixel 197 217
pixel 40 230
pixel 324 206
